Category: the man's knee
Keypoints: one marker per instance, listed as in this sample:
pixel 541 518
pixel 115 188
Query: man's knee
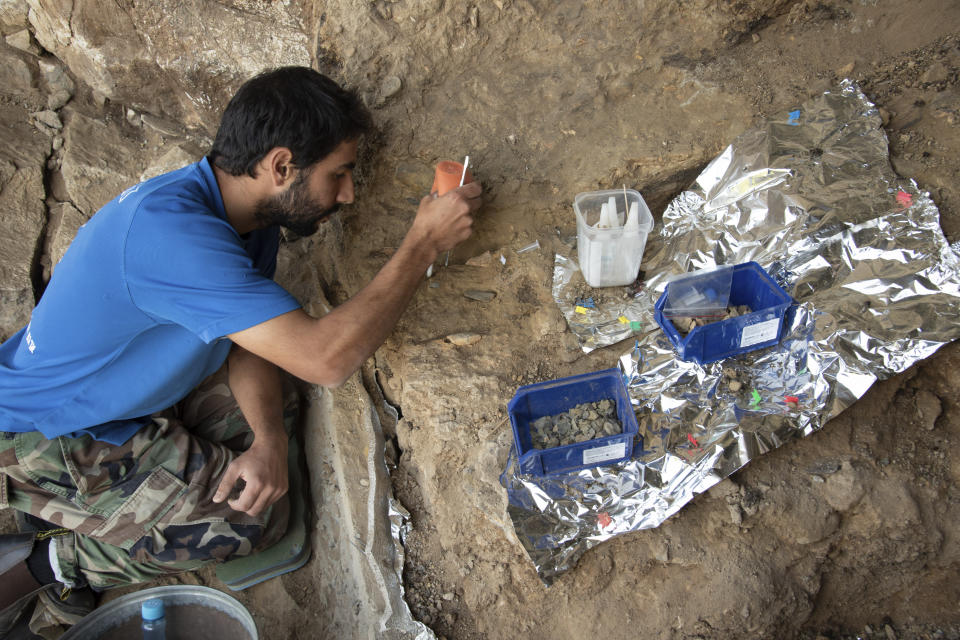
pixel 212 539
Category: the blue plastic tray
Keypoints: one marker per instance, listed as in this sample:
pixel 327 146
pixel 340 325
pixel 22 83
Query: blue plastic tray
pixel 534 401
pixel 763 327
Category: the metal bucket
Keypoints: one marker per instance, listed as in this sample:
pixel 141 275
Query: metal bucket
pixel 191 612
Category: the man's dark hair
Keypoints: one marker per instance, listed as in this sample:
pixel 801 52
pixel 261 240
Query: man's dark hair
pixel 293 107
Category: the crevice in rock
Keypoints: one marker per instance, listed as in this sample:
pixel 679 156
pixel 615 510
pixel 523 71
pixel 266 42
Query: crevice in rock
pixel 388 412
pixel 751 28
pixel 36 263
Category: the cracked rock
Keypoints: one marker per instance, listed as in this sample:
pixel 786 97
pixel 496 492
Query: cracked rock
pixel 463 339
pixel 480 296
pixel 928 408
pixel 581 423
pixel 21 40
pixel 47 121
pixel 59 84
pixel 390 87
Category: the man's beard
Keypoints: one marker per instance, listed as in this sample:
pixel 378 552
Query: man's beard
pixel 294 209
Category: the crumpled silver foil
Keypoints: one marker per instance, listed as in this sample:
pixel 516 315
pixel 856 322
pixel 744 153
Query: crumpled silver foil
pixel 404 622
pixel 598 317
pixel 811 197
pixel 395 620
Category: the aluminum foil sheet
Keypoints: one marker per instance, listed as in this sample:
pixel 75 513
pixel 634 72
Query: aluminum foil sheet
pixel 402 625
pixel 396 620
pixel 599 317
pixel 811 197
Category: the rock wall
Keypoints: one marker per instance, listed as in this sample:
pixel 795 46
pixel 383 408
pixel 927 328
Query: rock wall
pixel 25 143
pixel 100 95
pixel 175 60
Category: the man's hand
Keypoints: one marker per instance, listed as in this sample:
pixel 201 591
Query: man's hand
pixel 263 470
pixel 445 222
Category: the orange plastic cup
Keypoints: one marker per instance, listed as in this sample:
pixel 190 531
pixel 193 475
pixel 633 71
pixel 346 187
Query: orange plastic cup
pixel 447 177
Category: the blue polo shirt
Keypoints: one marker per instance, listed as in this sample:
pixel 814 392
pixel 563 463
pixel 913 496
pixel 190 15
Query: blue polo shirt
pixel 136 312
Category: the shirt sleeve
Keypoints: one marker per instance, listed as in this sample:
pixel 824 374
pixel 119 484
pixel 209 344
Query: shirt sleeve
pixel 189 267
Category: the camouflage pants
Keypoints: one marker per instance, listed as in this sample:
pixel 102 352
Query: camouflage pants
pixel 144 508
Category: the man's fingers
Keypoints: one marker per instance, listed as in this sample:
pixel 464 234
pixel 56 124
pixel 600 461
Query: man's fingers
pixel 470 190
pixel 254 480
pixel 262 503
pixel 465 230
pixel 247 499
pixel 253 504
pixel 226 483
pixel 468 194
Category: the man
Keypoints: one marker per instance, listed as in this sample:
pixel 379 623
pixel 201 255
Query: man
pixel 129 468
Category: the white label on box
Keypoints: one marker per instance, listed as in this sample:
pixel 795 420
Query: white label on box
pixel 760 332
pixel 602 454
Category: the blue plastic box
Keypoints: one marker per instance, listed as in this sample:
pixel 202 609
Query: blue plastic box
pixel 534 401
pixel 762 327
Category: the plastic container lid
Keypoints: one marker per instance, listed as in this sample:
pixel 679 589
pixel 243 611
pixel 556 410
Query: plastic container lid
pixel 152 609
pixel 700 293
pixel 213 609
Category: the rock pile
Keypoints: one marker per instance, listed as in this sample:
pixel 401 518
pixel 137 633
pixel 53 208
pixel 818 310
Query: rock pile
pixel 581 423
pixel 686 324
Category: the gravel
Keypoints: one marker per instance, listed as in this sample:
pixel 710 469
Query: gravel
pixel 581 423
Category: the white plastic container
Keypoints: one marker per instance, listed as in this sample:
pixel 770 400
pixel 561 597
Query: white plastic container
pixel 610 257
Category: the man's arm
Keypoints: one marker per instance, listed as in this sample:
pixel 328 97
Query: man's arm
pixel 257 387
pixel 329 349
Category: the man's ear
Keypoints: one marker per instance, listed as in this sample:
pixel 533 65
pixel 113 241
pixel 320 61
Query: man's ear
pixel 278 167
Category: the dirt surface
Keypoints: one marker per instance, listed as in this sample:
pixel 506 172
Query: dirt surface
pixel 850 532
pixel 853 527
